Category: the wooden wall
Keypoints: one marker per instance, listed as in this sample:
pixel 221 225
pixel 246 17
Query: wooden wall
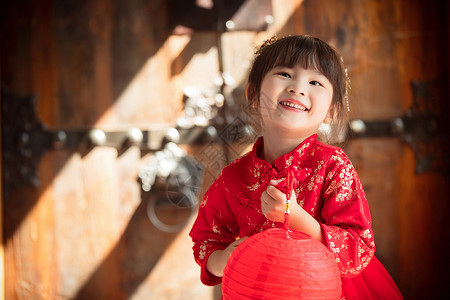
pixel 84 232
pixel 2 259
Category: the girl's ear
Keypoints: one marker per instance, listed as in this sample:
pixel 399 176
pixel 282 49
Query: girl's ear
pixel 328 117
pixel 249 96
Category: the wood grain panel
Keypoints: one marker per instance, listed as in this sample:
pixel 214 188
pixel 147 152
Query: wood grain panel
pixel 423 56
pixel 386 45
pixel 85 234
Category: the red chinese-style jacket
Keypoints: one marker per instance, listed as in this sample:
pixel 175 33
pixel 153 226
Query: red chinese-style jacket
pixel 327 187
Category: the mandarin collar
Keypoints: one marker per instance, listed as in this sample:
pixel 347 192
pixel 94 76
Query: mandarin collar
pixel 262 172
pixel 286 160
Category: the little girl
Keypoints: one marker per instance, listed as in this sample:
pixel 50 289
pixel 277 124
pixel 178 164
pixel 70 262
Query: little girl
pixel 296 83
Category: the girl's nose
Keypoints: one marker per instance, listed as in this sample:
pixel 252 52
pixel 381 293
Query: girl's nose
pixel 296 90
pixel 297 87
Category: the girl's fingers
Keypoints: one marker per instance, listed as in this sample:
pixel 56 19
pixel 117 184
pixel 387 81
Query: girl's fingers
pixel 275 193
pixel 276 181
pixel 263 197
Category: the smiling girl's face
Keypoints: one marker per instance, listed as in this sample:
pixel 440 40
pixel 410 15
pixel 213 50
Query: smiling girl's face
pixel 294 100
pixel 294 84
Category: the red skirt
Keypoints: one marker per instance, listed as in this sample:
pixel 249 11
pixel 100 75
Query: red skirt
pixel 374 283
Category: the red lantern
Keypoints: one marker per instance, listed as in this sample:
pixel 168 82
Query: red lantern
pixel 276 265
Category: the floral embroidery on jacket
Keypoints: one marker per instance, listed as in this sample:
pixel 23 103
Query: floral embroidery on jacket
pixel 326 184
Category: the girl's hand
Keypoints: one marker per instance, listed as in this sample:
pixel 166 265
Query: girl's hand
pixel 218 259
pixel 228 250
pixel 273 202
pixel 273 206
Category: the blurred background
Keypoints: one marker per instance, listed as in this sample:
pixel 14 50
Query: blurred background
pixel 118 115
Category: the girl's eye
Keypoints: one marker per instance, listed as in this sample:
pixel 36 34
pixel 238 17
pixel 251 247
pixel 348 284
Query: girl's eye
pixel 316 83
pixel 284 74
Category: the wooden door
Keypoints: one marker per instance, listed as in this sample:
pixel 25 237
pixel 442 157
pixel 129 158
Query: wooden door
pixel 2 261
pixel 397 56
pixel 84 233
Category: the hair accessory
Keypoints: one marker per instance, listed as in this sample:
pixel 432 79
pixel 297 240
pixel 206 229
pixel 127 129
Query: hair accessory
pixel 266 43
pixel 347 87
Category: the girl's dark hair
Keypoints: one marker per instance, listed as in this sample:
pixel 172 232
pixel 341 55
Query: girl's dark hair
pixel 310 53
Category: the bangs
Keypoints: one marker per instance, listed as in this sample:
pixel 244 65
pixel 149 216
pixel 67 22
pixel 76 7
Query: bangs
pixel 308 53
pixel 293 55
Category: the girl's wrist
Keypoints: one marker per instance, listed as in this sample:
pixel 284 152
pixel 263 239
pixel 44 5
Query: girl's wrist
pixel 302 221
pixel 216 263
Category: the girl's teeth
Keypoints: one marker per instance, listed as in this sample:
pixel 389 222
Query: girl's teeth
pixel 290 104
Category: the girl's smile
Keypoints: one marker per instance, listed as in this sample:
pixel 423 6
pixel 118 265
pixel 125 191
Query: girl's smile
pixel 294 105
